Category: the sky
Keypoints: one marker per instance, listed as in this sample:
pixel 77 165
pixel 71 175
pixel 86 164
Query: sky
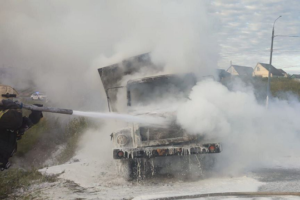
pixel 62 35
pixel 245 29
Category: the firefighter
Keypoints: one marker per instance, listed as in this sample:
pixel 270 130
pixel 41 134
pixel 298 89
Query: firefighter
pixel 12 124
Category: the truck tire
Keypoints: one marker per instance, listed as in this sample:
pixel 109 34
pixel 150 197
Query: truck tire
pixel 135 169
pixel 194 168
pixel 143 168
pixel 125 169
pixel 207 162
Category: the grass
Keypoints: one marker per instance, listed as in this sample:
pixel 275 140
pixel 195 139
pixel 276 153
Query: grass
pixel 31 137
pixel 281 88
pixel 43 139
pixel 73 132
pixel 45 132
pixel 288 85
pixel 13 179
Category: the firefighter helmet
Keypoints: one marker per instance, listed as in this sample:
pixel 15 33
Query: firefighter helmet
pixel 7 92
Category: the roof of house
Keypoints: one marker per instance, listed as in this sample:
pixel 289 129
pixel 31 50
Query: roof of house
pixel 243 70
pixel 222 73
pixel 296 76
pixel 274 71
pixel 282 71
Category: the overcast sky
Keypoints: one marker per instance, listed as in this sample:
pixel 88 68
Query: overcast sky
pixel 70 34
pixel 246 28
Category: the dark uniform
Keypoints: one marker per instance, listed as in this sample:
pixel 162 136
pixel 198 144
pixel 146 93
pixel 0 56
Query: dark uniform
pixel 12 126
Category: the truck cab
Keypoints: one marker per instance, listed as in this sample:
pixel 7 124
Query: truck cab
pixel 138 144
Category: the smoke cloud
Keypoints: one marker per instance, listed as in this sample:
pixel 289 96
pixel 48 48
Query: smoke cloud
pixel 62 43
pixel 251 135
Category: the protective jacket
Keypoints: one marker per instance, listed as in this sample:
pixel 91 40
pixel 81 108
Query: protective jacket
pixel 10 123
pixel 12 126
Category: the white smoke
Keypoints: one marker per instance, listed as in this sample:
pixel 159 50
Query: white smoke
pixel 250 134
pixel 178 34
pixel 61 44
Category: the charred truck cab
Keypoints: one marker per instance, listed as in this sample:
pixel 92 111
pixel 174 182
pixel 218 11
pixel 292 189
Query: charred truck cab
pixel 140 150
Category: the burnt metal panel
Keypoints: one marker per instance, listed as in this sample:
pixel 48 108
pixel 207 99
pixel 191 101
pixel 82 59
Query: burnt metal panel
pixel 112 75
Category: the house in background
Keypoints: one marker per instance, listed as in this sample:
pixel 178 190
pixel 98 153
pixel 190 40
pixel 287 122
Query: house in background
pixel 236 70
pixel 296 77
pixel 222 74
pixel 283 72
pixel 262 70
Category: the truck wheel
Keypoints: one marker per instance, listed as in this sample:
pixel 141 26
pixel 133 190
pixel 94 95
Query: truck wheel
pixel 143 168
pixel 185 167
pixel 194 168
pixel 207 162
pixel 125 169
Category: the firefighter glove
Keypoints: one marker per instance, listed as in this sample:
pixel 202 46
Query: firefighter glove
pixel 9 104
pixel 35 116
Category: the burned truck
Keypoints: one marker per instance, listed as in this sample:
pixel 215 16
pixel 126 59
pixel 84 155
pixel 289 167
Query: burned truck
pixel 140 149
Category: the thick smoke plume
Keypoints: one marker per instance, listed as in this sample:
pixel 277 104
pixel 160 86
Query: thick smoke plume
pixel 61 44
pixel 251 135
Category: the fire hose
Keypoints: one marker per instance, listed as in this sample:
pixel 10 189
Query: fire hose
pixel 37 108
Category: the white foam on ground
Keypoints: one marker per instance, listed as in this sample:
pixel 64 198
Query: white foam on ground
pixel 102 182
pixel 93 159
pixel 105 183
pixel 286 162
pixel 216 185
pixel 84 173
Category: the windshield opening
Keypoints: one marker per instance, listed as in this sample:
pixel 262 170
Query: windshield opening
pixel 155 90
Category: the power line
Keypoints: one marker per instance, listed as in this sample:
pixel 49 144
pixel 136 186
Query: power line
pixel 258 52
pixel 290 66
pixel 295 36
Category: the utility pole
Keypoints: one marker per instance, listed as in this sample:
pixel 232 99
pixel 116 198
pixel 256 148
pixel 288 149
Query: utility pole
pixel 271 54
